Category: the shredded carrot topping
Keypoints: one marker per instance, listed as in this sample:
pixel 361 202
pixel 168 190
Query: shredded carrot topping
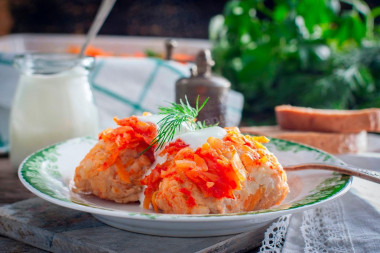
pixel 216 167
pixel 131 134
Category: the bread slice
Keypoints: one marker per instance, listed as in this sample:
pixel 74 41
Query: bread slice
pixel 322 120
pixel 335 143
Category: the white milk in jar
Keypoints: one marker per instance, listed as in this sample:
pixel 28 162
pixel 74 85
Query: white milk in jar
pixel 52 103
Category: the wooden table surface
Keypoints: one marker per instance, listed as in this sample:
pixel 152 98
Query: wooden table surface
pixel 11 191
pixel 10 186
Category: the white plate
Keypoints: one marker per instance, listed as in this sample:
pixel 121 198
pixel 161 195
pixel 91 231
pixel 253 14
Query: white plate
pixel 48 172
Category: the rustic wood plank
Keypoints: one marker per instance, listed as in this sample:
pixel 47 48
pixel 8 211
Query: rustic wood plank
pixel 11 188
pixel 9 245
pixel 251 240
pixel 57 229
pixel 12 191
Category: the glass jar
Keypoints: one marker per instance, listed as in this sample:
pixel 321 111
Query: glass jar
pixel 53 102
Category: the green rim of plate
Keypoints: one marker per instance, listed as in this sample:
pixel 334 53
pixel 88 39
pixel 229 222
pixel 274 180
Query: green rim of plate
pixel 48 157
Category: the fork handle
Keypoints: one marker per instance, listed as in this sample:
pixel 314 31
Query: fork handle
pixel 370 175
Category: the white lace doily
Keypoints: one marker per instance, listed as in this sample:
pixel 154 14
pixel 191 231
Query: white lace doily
pixel 322 230
pixel 275 235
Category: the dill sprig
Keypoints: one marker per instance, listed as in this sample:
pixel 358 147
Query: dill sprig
pixel 175 116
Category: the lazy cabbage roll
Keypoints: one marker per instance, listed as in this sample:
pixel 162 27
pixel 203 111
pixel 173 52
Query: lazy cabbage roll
pixel 115 166
pixel 215 171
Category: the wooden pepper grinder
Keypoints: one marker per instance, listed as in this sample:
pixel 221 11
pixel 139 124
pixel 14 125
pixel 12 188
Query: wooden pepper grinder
pixel 170 44
pixel 203 83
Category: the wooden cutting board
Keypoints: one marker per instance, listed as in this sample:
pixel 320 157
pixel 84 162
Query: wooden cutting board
pixel 57 229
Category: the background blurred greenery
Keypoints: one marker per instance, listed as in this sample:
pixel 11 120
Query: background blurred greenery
pixel 316 53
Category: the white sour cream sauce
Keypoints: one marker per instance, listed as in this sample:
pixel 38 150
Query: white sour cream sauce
pixel 194 138
pixel 153 118
pixel 197 138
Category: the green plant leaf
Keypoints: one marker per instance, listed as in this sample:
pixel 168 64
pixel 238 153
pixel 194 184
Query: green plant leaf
pixel 324 58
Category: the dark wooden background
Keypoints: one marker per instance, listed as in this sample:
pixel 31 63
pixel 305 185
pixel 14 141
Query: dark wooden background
pixel 168 18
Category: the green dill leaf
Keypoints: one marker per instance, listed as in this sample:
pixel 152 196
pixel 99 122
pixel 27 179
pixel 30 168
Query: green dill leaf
pixel 175 116
pixel 204 103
